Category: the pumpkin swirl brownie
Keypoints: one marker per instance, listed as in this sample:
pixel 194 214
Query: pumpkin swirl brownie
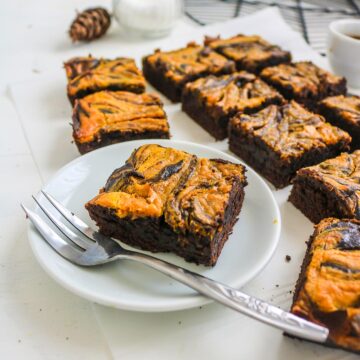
pixel 109 117
pixel 170 71
pixel 304 82
pixel 344 112
pixel 328 289
pixel 250 53
pixel 329 189
pixel 211 101
pixel 279 140
pixel 166 200
pixel 87 75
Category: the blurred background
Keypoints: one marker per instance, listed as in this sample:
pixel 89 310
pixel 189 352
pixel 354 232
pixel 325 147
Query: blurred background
pixel 310 18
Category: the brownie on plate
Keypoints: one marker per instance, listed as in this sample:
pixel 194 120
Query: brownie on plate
pixel 211 101
pixel 329 189
pixel 109 117
pixel 87 75
pixel 279 140
pixel 170 71
pixel 250 53
pixel 343 112
pixel 166 200
pixel 328 289
pixel 304 82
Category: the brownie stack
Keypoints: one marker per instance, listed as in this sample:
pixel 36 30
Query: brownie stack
pixel 291 121
pixel 248 90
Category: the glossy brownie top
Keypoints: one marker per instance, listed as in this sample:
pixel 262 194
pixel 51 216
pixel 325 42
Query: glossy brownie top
pixel 190 192
pixel 341 175
pixel 328 290
pixel 234 92
pixel 290 130
pixel 106 112
pixel 252 52
pixel 303 78
pixel 346 107
pixel 90 74
pixel 193 60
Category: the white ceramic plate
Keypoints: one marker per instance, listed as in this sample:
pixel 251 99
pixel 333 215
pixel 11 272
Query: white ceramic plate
pixel 132 286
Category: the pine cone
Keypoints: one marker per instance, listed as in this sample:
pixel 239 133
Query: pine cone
pixel 90 24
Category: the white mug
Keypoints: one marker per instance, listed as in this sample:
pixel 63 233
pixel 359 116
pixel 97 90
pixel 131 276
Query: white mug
pixel 344 49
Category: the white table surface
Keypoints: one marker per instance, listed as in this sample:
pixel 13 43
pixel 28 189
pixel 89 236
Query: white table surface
pixel 41 320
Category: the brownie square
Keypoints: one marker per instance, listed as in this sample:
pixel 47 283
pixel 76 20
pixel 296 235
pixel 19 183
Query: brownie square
pixel 329 189
pixel 250 53
pixel 212 101
pixel 87 75
pixel 304 82
pixel 109 117
pixel 328 289
pixel 166 200
pixel 279 140
pixel 170 71
pixel 343 112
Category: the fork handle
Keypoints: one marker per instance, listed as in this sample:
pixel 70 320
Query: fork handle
pixel 235 299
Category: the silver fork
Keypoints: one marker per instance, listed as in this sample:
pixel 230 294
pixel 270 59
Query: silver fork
pixel 87 247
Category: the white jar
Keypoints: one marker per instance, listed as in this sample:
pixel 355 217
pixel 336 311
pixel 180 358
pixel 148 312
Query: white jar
pixel 344 49
pixel 150 18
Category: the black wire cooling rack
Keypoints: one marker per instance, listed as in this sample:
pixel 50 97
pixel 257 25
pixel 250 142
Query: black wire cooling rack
pixel 310 18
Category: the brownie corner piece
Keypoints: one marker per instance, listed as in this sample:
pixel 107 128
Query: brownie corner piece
pixel 87 75
pixel 169 71
pixel 328 287
pixel 109 117
pixel 211 101
pixel 329 189
pixel 280 139
pixel 166 200
pixel 304 82
pixel 344 112
pixel 250 52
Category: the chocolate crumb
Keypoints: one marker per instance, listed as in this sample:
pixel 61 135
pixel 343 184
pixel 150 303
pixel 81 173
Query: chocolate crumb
pixel 288 258
pixel 277 285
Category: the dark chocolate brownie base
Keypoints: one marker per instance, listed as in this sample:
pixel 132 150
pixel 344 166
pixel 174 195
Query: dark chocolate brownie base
pixel 199 113
pixel 156 236
pixel 167 87
pixel 336 120
pixel 314 199
pixel 115 137
pixel 327 344
pixel 269 165
pixel 215 126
